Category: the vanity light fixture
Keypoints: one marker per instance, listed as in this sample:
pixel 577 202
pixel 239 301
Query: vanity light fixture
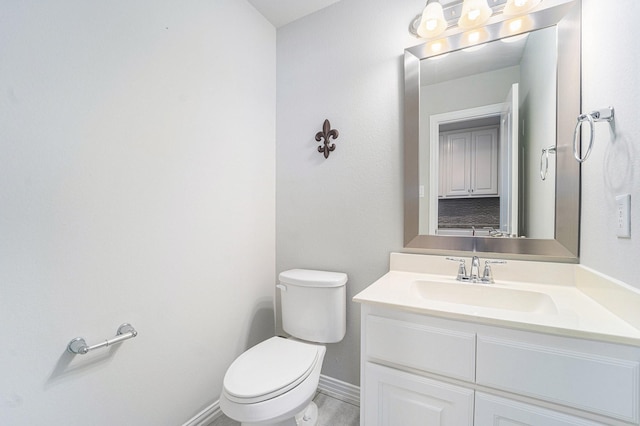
pixel 432 23
pixel 474 14
pixel 440 15
pixel 519 7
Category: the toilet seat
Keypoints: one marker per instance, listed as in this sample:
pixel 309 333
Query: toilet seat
pixel 269 369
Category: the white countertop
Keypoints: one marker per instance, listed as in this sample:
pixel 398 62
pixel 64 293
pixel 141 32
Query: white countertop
pixel 577 314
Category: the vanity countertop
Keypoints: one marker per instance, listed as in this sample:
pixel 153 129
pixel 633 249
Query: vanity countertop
pixel 574 301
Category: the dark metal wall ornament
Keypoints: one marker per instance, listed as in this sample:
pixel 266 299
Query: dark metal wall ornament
pixel 326 133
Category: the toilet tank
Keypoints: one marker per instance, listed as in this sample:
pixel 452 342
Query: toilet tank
pixel 313 304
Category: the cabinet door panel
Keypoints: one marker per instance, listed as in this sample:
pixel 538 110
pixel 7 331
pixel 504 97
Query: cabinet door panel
pixel 600 384
pixel 441 351
pixel 458 165
pixel 485 162
pixel 495 411
pixel 469 163
pixel 398 398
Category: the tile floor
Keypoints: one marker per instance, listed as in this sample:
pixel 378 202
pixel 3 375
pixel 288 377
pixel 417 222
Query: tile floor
pixel 332 412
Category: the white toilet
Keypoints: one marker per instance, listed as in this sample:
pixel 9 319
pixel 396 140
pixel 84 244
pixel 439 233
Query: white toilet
pixel 274 382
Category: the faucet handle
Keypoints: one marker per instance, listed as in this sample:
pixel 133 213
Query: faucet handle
pixel 487 275
pixel 462 268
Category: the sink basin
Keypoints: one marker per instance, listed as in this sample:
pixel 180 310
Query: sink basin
pixel 485 296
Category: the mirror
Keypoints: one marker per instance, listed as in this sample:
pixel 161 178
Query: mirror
pixel 480 145
pixel 477 118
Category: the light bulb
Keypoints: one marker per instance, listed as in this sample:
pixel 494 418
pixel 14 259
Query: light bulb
pixel 432 23
pixel 472 39
pixel 438 47
pixel 474 13
pixel 515 25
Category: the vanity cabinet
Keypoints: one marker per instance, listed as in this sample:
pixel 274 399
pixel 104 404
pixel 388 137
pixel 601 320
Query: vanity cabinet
pixel 419 369
pixel 495 410
pixel 469 163
pixel 398 398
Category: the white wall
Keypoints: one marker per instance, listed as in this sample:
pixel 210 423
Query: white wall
pixel 137 184
pixel 344 213
pixel 610 65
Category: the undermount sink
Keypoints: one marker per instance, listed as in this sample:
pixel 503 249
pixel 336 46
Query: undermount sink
pixel 485 296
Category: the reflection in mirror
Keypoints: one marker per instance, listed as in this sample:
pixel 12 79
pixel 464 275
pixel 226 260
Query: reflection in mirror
pixel 476 121
pixel 480 142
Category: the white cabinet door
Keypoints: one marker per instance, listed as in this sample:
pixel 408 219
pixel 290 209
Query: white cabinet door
pixel 484 166
pixel 442 178
pixel 397 398
pixel 469 163
pixel 596 378
pixel 458 166
pixel 492 410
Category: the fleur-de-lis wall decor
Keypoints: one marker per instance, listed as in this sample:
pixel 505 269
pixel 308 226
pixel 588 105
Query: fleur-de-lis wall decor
pixel 327 133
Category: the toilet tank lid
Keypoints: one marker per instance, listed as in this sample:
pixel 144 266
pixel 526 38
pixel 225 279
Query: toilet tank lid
pixel 312 278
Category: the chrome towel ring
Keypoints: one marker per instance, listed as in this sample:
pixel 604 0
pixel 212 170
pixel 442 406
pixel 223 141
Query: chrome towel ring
pixel 605 114
pixel 544 161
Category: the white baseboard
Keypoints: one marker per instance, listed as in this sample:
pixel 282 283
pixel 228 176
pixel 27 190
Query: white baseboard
pixel 339 390
pixel 327 385
pixel 206 416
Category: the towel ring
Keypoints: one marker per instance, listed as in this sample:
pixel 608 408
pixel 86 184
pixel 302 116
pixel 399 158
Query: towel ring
pixel 544 159
pixel 581 119
pixel 605 114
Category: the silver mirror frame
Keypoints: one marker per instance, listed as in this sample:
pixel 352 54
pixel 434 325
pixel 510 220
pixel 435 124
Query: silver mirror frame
pixel 565 246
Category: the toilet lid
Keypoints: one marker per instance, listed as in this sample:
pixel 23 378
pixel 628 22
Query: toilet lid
pixel 269 369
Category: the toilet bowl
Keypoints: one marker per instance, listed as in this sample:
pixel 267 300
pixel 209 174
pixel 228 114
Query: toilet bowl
pixel 274 382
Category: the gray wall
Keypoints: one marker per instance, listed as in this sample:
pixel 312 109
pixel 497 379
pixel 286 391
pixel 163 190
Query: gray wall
pixel 611 67
pixel 137 184
pixel 345 213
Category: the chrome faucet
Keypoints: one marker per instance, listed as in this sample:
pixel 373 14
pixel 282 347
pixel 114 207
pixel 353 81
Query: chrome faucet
pixel 474 272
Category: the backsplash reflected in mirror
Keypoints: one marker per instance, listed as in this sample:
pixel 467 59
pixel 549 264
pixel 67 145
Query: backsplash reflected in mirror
pixel 476 121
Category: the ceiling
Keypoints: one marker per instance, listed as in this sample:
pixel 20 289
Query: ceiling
pixel 282 12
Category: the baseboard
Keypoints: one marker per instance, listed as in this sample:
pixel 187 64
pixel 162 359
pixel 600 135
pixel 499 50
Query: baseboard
pixel 335 388
pixel 206 416
pixel 339 390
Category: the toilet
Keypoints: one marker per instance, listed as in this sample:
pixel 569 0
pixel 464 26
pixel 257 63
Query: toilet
pixel 274 382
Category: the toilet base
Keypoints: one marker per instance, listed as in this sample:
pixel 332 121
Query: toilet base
pixel 307 417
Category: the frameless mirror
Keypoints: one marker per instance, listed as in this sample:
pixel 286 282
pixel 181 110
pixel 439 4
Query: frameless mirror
pixel 488 132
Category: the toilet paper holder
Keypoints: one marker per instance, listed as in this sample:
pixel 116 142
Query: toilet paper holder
pixel 79 345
